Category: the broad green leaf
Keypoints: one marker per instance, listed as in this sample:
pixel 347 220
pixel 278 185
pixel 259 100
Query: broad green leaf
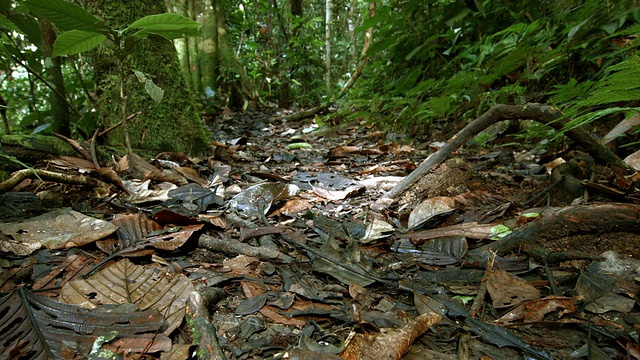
pixel 66 15
pixel 28 25
pixel 498 231
pixel 76 41
pixel 168 34
pixel 153 90
pixel 171 23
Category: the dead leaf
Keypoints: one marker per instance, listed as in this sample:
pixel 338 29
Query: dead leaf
pixel 147 287
pixel 59 229
pixel 392 344
pixel 508 290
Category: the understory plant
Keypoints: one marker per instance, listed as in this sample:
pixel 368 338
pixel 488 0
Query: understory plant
pixel 84 32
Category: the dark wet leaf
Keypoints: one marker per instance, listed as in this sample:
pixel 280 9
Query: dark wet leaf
pixel 192 199
pixel 349 255
pixel 36 326
pixel 250 326
pixel 442 251
pixel 251 305
pixel 284 300
pixel 500 337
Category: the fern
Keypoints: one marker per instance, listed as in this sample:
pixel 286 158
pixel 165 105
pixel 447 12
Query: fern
pixel 571 92
pixel 620 84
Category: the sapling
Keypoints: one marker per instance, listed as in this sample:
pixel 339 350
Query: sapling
pixel 82 32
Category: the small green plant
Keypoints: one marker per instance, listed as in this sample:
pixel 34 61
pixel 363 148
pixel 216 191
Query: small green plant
pixel 83 32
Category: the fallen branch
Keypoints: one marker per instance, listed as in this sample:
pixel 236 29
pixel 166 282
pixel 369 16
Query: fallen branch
pixel 538 112
pixel 536 236
pixel 198 319
pixel 20 175
pixel 234 247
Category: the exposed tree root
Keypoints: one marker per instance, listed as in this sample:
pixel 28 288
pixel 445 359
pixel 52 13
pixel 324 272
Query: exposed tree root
pixel 538 112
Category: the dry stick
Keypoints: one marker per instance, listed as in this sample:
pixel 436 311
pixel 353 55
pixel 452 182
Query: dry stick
pixel 20 175
pixel 75 145
pixel 542 113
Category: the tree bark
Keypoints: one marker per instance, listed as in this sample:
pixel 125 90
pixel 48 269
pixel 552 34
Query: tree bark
pixel 53 73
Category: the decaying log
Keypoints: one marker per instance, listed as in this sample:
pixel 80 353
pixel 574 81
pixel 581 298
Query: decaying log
pixel 198 319
pixel 571 221
pixel 537 112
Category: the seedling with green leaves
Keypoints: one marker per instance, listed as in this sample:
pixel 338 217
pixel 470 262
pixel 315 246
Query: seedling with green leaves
pixel 83 32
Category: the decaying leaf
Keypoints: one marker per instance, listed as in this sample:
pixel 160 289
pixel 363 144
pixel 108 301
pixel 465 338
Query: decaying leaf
pixel 37 327
pixel 349 255
pixel 124 282
pixel 59 229
pixel 508 290
pixel 502 337
pixel 392 344
pixel 430 208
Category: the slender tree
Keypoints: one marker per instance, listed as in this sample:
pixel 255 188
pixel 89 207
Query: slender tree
pixel 53 73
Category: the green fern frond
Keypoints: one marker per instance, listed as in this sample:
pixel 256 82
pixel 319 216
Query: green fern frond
pixel 621 83
pixel 571 92
pixel 595 115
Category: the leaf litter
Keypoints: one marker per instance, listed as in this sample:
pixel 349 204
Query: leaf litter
pixel 267 250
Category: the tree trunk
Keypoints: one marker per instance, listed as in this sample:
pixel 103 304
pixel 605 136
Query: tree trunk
pixel 327 46
pixel 172 125
pixel 194 59
pixel 209 54
pixel 235 82
pixel 53 73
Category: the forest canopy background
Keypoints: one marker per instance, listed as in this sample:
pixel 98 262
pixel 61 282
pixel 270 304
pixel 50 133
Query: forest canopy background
pixel 431 65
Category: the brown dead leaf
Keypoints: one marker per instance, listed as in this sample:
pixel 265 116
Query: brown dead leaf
pixel 508 290
pixel 537 309
pixel 191 175
pixel 294 206
pixel 390 345
pixel 252 289
pixel 241 265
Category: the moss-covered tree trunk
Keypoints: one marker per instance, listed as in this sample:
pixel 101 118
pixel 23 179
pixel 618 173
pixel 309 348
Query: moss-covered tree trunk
pixel 173 124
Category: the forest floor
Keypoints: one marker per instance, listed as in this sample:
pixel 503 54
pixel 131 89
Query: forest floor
pixel 272 245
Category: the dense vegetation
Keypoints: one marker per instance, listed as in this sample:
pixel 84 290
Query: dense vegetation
pixel 432 65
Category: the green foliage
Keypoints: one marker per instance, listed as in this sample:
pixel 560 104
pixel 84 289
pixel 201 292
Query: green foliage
pixel 66 15
pixel 77 41
pixel 85 32
pixel 590 101
pixel 438 62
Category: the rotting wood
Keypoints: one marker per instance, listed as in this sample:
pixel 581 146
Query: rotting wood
pixel 20 175
pixel 203 330
pixel 568 221
pixel 538 112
